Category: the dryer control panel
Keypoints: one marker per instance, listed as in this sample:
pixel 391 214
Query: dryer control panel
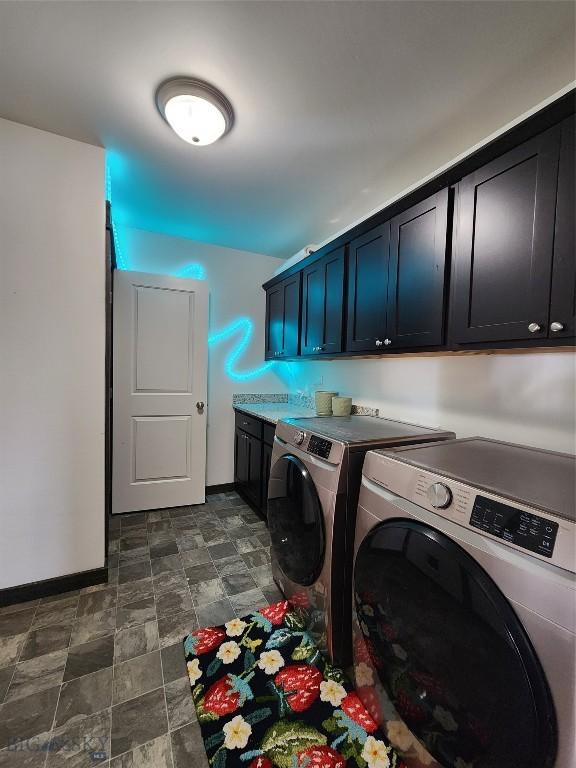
pixel 512 523
pixel 517 526
pixel 319 446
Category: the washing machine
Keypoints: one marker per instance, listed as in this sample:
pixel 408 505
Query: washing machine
pixel 313 488
pixel 464 595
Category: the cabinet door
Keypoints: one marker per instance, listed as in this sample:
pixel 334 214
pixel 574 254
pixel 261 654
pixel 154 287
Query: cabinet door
pixel 563 293
pixel 274 320
pixel 240 458
pixel 323 305
pixel 505 236
pixel 291 290
pixel 254 486
pixel 415 308
pixel 368 290
pixel 283 318
pixel 266 463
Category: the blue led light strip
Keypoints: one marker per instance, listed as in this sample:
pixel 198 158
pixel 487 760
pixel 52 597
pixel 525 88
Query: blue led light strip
pixel 245 327
pixel 121 262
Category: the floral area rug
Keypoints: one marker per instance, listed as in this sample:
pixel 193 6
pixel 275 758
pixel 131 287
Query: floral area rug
pixel 265 696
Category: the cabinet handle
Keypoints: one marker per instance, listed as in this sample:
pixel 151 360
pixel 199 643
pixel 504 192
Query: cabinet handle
pixel 555 327
pixel 387 342
pixel 379 343
pixel 534 327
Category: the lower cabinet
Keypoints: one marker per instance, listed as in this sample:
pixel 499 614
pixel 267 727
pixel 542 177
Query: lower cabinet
pixel 252 457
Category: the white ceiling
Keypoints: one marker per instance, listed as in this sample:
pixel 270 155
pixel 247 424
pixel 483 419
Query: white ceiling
pixel 337 103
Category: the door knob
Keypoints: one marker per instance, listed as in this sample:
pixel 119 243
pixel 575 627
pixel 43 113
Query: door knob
pixel 534 327
pixel 200 406
pixel 555 327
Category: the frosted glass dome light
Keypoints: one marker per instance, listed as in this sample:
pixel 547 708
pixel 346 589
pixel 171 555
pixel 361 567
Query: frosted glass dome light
pixel 196 111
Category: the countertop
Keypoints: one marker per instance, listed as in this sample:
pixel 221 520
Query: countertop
pixel 274 412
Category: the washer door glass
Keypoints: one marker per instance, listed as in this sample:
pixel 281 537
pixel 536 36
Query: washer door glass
pixel 453 661
pixel 295 521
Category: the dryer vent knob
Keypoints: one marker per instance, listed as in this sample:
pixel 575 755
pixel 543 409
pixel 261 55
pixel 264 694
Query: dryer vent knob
pixel 439 495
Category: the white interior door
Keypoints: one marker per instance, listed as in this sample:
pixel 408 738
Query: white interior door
pixel 160 356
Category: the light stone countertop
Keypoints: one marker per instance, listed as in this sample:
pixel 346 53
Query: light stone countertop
pixel 274 412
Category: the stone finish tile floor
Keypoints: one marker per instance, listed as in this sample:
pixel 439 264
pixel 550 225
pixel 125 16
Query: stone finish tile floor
pixel 97 676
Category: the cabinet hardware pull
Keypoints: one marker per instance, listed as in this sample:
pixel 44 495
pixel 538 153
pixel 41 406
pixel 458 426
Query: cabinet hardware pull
pixel 387 342
pixel 379 343
pixel 555 327
pixel 534 327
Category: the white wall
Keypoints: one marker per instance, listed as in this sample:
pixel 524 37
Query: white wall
pixel 51 355
pixel 234 281
pixel 527 398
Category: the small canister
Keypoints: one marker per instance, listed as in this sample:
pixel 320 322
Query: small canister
pixel 324 402
pixel 341 406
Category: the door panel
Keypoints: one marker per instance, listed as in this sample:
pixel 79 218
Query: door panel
pixel 505 234
pixel 159 374
pixel 368 290
pixel 323 305
pixel 161 447
pixel 563 294
pixel 162 346
pixel 418 238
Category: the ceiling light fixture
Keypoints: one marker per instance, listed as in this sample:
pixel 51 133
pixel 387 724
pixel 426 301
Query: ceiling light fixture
pixel 195 110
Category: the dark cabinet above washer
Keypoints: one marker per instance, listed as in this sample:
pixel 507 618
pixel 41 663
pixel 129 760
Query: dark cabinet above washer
pixel 323 305
pixel 283 318
pixel 480 257
pixel 505 244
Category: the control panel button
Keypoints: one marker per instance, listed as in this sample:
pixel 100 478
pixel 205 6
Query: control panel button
pixel 319 446
pixel 299 437
pixel 439 495
pixel 525 529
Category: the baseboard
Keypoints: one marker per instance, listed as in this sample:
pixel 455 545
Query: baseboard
pixel 222 488
pixel 50 587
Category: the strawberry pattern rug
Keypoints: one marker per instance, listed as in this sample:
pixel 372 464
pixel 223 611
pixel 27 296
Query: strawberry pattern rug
pixel 265 696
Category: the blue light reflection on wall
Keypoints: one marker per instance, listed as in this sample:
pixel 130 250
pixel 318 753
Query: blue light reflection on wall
pixel 194 271
pixel 245 327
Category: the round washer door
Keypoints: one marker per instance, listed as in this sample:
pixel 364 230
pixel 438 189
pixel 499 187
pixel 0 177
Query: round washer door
pixel 295 521
pixel 449 654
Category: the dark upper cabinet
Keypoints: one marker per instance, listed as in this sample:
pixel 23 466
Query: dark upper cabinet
pixel 562 321
pixel 323 305
pixel 283 318
pixel 504 245
pixel 416 274
pixel 368 290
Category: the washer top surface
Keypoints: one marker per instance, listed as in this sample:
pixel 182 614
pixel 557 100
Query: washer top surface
pixel 531 476
pixel 366 429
